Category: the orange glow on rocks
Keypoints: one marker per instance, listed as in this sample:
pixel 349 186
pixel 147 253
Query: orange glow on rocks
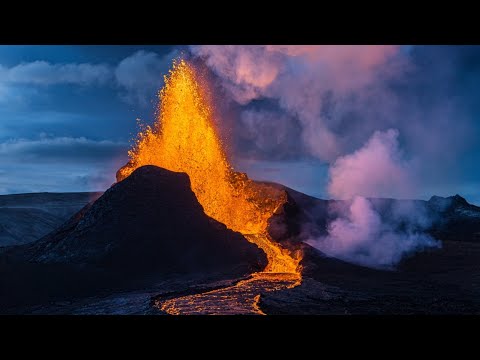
pixel 184 139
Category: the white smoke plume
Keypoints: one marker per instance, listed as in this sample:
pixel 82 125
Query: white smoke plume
pixel 378 169
pixel 350 117
pixel 359 233
pixel 300 77
pixel 360 236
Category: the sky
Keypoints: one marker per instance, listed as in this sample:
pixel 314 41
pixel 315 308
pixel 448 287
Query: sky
pixel 294 115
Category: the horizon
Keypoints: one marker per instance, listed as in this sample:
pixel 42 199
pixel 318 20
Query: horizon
pixel 326 199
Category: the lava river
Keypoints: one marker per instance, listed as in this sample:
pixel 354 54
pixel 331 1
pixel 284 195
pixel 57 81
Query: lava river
pixel 184 139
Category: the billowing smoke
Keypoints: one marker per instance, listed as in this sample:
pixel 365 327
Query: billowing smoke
pixel 306 82
pixel 380 116
pixel 378 169
pixel 360 235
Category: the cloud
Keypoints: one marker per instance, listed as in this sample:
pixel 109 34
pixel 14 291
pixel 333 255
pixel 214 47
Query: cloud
pixel 376 169
pixel 336 97
pixel 138 76
pixel 59 164
pixel 53 149
pixel 7 96
pixel 341 94
pixel 141 75
pixel 361 236
pixel 268 133
pixel 254 71
pixel 69 162
pixel 304 81
pixel 359 233
pixel 45 73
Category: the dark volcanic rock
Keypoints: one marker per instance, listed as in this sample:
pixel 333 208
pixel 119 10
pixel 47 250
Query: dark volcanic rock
pixel 447 219
pixel 455 219
pixel 24 225
pixel 438 281
pixel 144 227
pixel 151 227
pixel 299 216
pixel 151 220
pixel 25 218
pixel 285 224
pixel 442 281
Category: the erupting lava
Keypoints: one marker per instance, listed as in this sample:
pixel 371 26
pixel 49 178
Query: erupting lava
pixel 184 139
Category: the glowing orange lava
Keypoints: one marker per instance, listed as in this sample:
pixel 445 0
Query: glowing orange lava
pixel 184 139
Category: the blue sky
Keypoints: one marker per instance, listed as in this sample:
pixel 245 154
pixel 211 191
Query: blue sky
pixel 68 113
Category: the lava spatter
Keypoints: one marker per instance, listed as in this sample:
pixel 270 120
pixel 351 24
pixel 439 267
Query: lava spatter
pixel 184 139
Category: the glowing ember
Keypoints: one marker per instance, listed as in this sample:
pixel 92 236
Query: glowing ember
pixel 184 139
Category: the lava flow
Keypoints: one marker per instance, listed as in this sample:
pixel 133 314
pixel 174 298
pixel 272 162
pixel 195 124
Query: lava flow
pixel 184 139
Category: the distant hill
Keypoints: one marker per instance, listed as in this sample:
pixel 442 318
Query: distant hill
pixel 27 217
pixel 448 218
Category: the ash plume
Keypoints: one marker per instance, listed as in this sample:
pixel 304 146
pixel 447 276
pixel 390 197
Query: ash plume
pixel 325 102
pixel 300 79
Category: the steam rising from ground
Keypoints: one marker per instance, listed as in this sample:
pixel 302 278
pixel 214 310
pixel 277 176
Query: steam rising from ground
pixel 378 169
pixel 360 235
pixel 351 117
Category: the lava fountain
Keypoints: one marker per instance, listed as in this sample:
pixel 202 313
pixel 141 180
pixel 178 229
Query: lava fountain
pixel 184 139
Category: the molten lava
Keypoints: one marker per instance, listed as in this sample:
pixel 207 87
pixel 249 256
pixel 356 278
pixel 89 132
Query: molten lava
pixel 184 139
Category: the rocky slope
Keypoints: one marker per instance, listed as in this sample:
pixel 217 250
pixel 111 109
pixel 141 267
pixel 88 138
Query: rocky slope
pixel 144 228
pixel 27 217
pixel 445 218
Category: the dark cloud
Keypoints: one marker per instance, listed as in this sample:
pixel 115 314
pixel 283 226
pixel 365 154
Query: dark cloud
pixel 266 133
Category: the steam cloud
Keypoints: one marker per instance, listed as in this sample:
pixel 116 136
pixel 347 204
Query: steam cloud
pixel 351 117
pixel 360 235
pixel 377 169
pixel 301 79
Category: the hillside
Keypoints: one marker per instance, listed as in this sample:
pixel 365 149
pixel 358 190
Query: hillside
pixel 27 217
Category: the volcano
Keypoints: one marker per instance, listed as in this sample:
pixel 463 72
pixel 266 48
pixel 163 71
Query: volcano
pixel 150 221
pixel 146 226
